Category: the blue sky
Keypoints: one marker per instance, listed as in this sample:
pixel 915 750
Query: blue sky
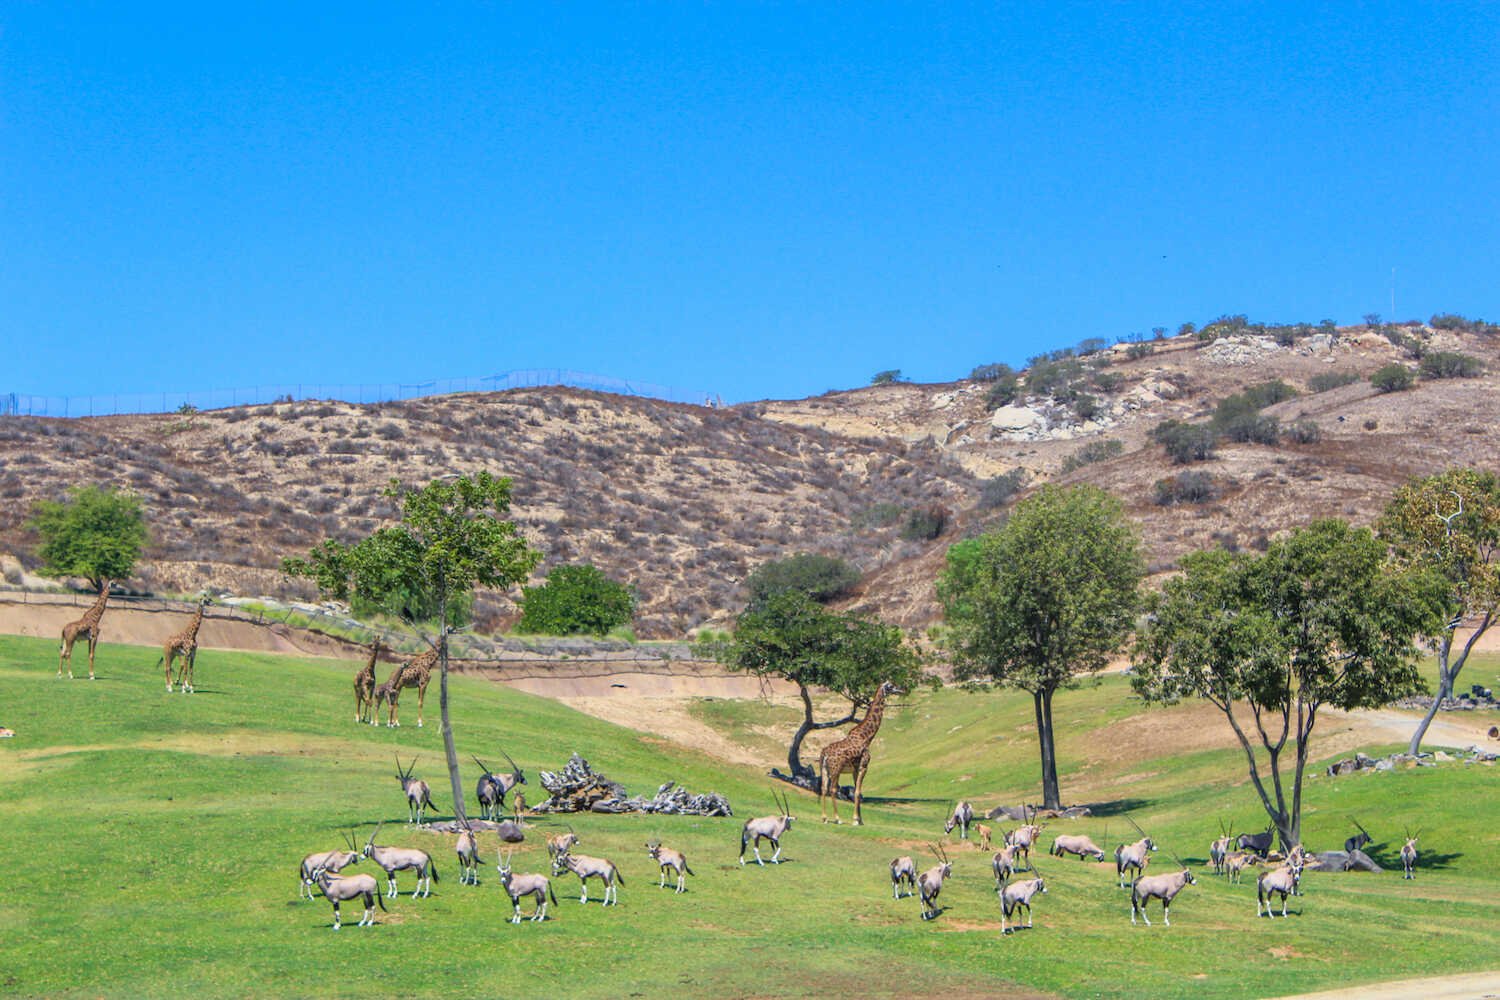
pixel 760 201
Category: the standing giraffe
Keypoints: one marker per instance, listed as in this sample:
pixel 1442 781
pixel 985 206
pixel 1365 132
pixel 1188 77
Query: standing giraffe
pixel 416 671
pixel 87 626
pixel 364 688
pixel 184 643
pixel 852 753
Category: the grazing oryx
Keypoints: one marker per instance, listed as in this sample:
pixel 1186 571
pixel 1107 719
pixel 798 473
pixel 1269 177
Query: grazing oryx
pixel 332 862
pixel 1219 848
pixel 1277 882
pixel 903 869
pixel 1135 857
pixel 1024 838
pixel 1162 887
pixel 340 888
pixel 1409 855
pixel 468 856
pixel 518 887
pixel 561 843
pixel 586 868
pixel 418 794
pixel 400 859
pixel 961 817
pixel 771 828
pixel 666 858
pixel 492 788
pixel 1235 862
pixel 1359 840
pixel 1065 843
pixel 1004 864
pixel 1258 843
pixel 930 882
pixel 1017 895
pixel 984 836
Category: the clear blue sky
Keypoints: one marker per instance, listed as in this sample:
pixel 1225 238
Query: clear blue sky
pixel 760 201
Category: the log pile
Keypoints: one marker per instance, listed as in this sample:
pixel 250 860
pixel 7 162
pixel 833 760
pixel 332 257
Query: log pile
pixel 579 788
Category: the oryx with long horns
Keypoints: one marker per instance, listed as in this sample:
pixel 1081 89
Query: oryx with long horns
pixel 1018 894
pixel 467 849
pixel 492 788
pixel 1409 855
pixel 930 882
pixel 400 859
pixel 418 793
pixel 332 862
pixel 1163 887
pixel 342 888
pixel 1359 840
pixel 518 887
pixel 1133 857
pixel 771 828
pixel 1219 849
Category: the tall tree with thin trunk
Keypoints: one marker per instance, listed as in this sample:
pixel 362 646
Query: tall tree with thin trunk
pixel 1451 524
pixel 1322 618
pixel 1044 600
pixel 452 537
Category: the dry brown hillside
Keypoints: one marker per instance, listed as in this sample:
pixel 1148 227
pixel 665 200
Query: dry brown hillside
pixel 683 500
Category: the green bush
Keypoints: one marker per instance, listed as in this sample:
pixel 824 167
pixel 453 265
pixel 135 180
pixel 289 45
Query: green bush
pixel 1086 407
pixel 1393 378
pixel 878 516
pixel 1238 417
pixel 1304 432
pixel 925 523
pixel 1450 364
pixel 1091 345
pixel 575 600
pixel 820 577
pixel 1185 442
pixel 887 377
pixel 1185 487
pixel 1251 428
pixel 998 490
pixel 96 533
pixel 1324 381
pixel 1003 392
pixel 1095 451
pixel 992 373
pixel 1139 350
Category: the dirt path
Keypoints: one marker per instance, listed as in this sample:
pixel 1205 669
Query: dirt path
pixel 1463 986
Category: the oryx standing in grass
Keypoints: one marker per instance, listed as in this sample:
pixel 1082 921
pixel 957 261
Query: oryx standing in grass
pixel 1359 840
pixel 1080 845
pixel 586 868
pixel 518 887
pixel 1236 862
pixel 1162 887
pixel 1133 857
pixel 903 870
pixel 1258 843
pixel 1409 855
pixel 469 860
pixel 930 882
pixel 492 788
pixel 1018 894
pixel 332 862
pixel 666 858
pixel 961 817
pixel 1277 882
pixel 342 888
pixel 1004 864
pixel 771 828
pixel 1024 838
pixel 561 843
pixel 418 793
pixel 399 859
pixel 984 836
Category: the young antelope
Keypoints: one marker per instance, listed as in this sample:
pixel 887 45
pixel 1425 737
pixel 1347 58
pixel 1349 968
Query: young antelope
pixel 903 870
pixel 666 858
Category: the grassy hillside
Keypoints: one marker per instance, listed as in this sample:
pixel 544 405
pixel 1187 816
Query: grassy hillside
pixel 152 842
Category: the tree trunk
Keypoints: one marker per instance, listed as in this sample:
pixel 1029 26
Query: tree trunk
pixel 1447 675
pixel 1051 796
pixel 797 769
pixel 448 747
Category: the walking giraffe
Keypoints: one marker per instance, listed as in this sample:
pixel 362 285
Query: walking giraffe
pixel 852 753
pixel 87 626
pixel 364 687
pixel 184 644
pixel 416 671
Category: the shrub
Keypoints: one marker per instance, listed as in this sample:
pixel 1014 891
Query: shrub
pixel 1393 378
pixel 820 577
pixel 1091 345
pixel 1185 442
pixel 1304 432
pixel 1054 378
pixel 1251 428
pixel 577 599
pixel 998 490
pixel 1185 487
pixel 878 516
pixel 925 523
pixel 1187 330
pixel 887 377
pixel 992 373
pixel 1450 364
pixel 1107 381
pixel 1086 407
pixel 1324 381
pixel 1139 350
pixel 1003 392
pixel 1094 451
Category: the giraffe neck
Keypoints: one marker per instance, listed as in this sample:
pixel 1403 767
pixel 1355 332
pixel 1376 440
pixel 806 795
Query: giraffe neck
pixel 870 724
pixel 192 629
pixel 97 611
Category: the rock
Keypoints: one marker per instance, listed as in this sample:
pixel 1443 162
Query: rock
pixel 578 788
pixel 1318 343
pixel 1240 350
pixel 1359 861
pixel 1442 756
pixel 1015 419
pixel 1385 765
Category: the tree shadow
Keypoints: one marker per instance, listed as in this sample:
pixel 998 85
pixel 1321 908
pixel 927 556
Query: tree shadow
pixel 1388 856
pixel 1116 807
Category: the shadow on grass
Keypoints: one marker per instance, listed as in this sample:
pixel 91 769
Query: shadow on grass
pixel 1117 807
pixel 1388 856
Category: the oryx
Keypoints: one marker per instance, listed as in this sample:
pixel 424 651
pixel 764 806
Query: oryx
pixel 1359 840
pixel 961 817
pixel 561 843
pixel 492 788
pixel 418 794
pixel 340 888
pixel 903 870
pixel 1163 887
pixel 469 860
pixel 332 862
pixel 1219 848
pixel 771 828
pixel 1003 864
pixel 586 868
pixel 1018 894
pixel 1025 837
pixel 1277 882
pixel 1409 855
pixel 666 858
pixel 984 836
pixel 518 887
pixel 400 859
pixel 1134 856
pixel 930 882
pixel 1258 843
pixel 1080 845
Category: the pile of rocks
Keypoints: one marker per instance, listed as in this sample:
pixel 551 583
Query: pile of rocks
pixel 1478 696
pixel 578 788
pixel 1362 762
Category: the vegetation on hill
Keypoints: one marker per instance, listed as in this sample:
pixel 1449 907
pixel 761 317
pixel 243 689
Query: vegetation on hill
pixel 575 600
pixel 96 533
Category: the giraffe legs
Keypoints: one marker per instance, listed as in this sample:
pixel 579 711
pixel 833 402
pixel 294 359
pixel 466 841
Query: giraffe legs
pixel 65 655
pixel 860 768
pixel 93 645
pixel 169 656
pixel 831 775
pixel 421 697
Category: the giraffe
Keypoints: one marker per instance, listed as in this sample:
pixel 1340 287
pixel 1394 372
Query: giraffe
pixel 184 643
pixel 364 687
pixel 852 753
pixel 88 627
pixel 416 671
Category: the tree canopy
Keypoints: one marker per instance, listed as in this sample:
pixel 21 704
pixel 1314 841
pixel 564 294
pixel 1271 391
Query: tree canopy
pixel 1322 618
pixel 1045 598
pixel 96 533
pixel 820 577
pixel 575 600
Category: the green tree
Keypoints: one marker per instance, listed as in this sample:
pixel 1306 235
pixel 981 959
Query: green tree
pixel 575 600
pixel 888 377
pixel 96 533
pixel 452 538
pixel 791 637
pixel 1393 378
pixel 1044 599
pixel 1322 618
pixel 1450 523
pixel 823 578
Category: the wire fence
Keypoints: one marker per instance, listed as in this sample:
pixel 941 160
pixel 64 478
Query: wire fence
pixel 100 405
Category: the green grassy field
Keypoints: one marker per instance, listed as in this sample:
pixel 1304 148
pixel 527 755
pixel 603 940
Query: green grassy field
pixel 151 844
